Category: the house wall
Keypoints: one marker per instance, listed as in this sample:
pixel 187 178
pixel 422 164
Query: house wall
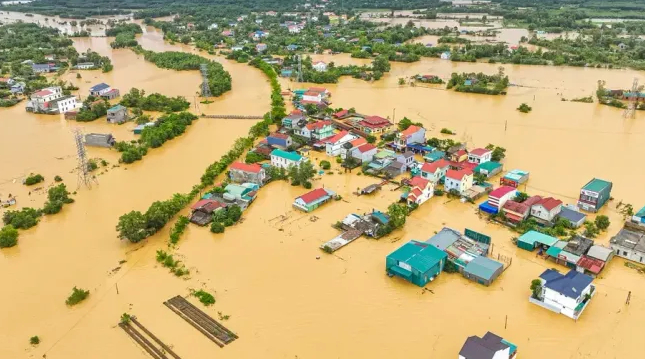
pixel 628 253
pixel 334 149
pixel 567 305
pixel 100 92
pixel 499 202
pixel 480 159
pixel 317 98
pixel 540 212
pixel 461 186
pixel 278 161
pixel 365 156
pixel 66 105
pixel 238 176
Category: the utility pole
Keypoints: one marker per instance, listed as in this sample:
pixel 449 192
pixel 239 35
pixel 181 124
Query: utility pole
pixel 630 111
pixel 84 176
pixel 394 115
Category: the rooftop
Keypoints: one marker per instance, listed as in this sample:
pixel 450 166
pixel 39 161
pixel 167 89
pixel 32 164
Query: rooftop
pixel 488 166
pixel 279 135
pixel 318 125
pixel 570 285
pixel 337 137
pixel 241 166
pixel 482 348
pixel 483 267
pixel 501 191
pixel 534 236
pixel 116 108
pixel 315 195
pixel 596 185
pixel 366 147
pixel 410 130
pixel 578 245
pixel 292 156
pixel 458 174
pixel 419 182
pixel 630 239
pixel 549 203
pixel 600 252
pixel 420 256
pixel 571 215
pixel 480 151
pixel 432 167
pixel 444 238
pixel 99 87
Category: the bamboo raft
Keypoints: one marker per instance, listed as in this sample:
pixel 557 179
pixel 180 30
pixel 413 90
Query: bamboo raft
pixel 208 326
pixel 158 351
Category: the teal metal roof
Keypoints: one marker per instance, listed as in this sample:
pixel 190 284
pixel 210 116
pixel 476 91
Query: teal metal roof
pixel 553 251
pixel 511 345
pixel 532 237
pixel 401 271
pixel 420 256
pixel 235 189
pixel 596 185
pixel 116 108
pixel 641 213
pixel 488 166
pixel 483 267
pixel 292 156
pixel 434 156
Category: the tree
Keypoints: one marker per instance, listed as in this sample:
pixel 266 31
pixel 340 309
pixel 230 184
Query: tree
pixel 301 173
pixel 132 226
pixel 8 236
pixel 536 288
pixel 370 139
pixel 480 178
pixel 381 64
pixel 602 222
pixel 325 165
pixel 521 197
pixel 590 230
pixel 498 154
pixel 234 213
pixel 397 214
pixel 401 81
pixel 404 123
pixel 217 227
pixel 524 108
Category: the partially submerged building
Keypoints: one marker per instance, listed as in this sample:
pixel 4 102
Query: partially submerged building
pixel 483 270
pixel 497 198
pixel 240 172
pixel 534 239
pixel 575 218
pixel 594 195
pixel 566 294
pixel 99 140
pixel 202 211
pixel 490 346
pixel 117 114
pixel 629 243
pixel 284 159
pixel 514 178
pixel 313 199
pixel 489 168
pixel 417 262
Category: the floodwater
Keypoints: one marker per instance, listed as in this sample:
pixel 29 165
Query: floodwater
pixel 283 302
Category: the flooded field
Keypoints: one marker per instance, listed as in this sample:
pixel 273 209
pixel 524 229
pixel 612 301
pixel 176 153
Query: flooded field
pixel 283 302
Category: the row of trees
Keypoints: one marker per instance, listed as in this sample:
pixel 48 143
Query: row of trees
pixel 136 98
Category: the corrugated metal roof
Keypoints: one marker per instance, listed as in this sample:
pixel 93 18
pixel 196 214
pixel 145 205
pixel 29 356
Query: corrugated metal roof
pixel 483 267
pixel 532 237
pixel 420 256
pixel 596 185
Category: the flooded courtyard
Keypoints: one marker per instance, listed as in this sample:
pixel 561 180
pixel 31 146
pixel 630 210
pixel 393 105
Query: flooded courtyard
pixel 283 302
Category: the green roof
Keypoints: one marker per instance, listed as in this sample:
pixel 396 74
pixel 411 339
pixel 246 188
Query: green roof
pixel 641 213
pixel 483 267
pixel 553 251
pixel 419 255
pixel 384 154
pixel 235 189
pixel 532 237
pixel 292 156
pixel 116 108
pixel 596 185
pixel 488 166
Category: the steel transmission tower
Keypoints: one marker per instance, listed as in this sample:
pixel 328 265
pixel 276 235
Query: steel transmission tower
pixel 630 112
pixel 300 78
pixel 84 176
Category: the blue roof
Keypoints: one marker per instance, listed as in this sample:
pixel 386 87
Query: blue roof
pixel 99 87
pixel 571 284
pixel 571 215
pixel 488 208
pixel 418 147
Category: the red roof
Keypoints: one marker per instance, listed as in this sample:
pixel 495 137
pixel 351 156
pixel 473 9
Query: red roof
pixel 410 130
pixel 458 175
pixel 419 182
pixel 432 167
pixel 516 207
pixel 501 191
pixel 415 193
pixel 337 137
pixel 591 264
pixel 317 89
pixel 4 79
pixel 279 135
pixel 513 217
pixel 296 112
pixel 314 195
pixel 461 153
pixel 341 113
pixel 358 142
pixel 311 93
pixel 317 125
pixel 240 166
pixel 366 147
pixel 208 205
pixel 479 151
pixel 43 93
pixel 375 122
pixel 549 203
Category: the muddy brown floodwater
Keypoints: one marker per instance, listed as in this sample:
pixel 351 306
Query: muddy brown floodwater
pixel 282 301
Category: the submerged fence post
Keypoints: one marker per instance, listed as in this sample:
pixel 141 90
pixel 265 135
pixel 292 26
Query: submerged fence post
pixel 506 321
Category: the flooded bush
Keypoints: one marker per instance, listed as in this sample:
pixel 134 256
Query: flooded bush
pixel 178 229
pixel 34 179
pixel 204 297
pixel 217 227
pixel 35 340
pixel 524 108
pixel 77 296
pixel 22 219
pixel 8 236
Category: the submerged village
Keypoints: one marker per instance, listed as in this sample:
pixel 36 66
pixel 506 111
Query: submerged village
pixel 257 185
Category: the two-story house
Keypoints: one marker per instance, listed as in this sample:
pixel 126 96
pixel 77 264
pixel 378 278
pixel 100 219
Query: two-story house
pixel 284 159
pixel 374 125
pixel 480 155
pixel 334 144
pixel 365 153
pixel 240 172
pixel 411 135
pixel 51 100
pixel 100 89
pixel 458 180
pixel 435 171
pixel 566 294
pixel 594 195
pixel 546 209
pixel 490 346
pixel 421 190
pixel 348 148
pixel 320 66
pixel 280 140
pixel 317 130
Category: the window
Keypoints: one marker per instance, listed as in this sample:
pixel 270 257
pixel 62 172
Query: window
pixel 624 253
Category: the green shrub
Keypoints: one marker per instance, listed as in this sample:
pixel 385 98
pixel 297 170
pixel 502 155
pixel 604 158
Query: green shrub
pixel 524 108
pixel 217 227
pixel 8 236
pixel 34 340
pixel 325 165
pixel 447 131
pixel 33 179
pixel 204 297
pixel 77 296
pixel 58 179
pixel 22 219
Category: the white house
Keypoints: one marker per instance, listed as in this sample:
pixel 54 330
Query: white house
pixel 421 190
pixel 445 55
pixel 365 153
pixel 499 196
pixel 320 66
pixel 546 209
pixel 100 89
pixel 260 47
pixel 312 96
pixel 480 155
pixel 335 143
pixel 212 26
pixel 294 29
pixel 350 146
pixel 490 346
pixel 435 171
pixel 85 65
pixel 411 135
pixel 284 159
pixel 51 100
pixel 458 180
pixel 566 294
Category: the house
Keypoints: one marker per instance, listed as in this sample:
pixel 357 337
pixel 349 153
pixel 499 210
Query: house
pixel 516 212
pixel 421 190
pixel 534 239
pixel 99 140
pixel 334 144
pixel 202 211
pixel 350 146
pixel 241 194
pixel 51 100
pixel 313 96
pixel 458 180
pixel 313 199
pixel 374 125
pixel 490 346
pixel 117 114
pixel 514 178
pixel 286 72
pixel 574 217
pixel 459 156
pixel 295 120
pixel 281 140
pixel 394 169
pixel 260 47
pixel 284 159
pixel 139 128
pixel 594 195
pixel 572 251
pixel 601 253
pixel 483 270
pixel 240 172
pixel 43 68
pixel 416 262
pixel 566 294
pixel 364 153
pixel 407 158
pixel 237 48
pixel 341 114
pixel 17 88
pixel 85 65
pixel 320 66
pixel 639 217
pixel 412 134
pixel 293 29
pixel 489 168
pixel 317 130
pixel 435 171
pixel 111 95
pixel 546 209
pixel 212 26
pixel 622 46
pixel 445 55
pixel 433 156
pixel 461 249
pixel 228 33
pixel 629 243
pixel 100 89
pixel 292 47
pixel 480 155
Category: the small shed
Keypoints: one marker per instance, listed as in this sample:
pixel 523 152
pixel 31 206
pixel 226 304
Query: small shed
pixel 575 218
pixel 99 140
pixel 514 178
pixel 483 270
pixel 489 168
pixel 533 239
